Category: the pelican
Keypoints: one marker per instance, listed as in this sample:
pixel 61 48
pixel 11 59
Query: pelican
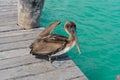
pixel 54 44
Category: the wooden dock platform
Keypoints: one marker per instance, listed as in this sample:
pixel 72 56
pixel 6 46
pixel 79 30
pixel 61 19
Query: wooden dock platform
pixel 15 61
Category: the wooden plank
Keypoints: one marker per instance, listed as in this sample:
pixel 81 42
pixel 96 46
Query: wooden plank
pixel 25 70
pixel 4 13
pixel 9 14
pixel 15 45
pixel 4 8
pixel 24 36
pixel 78 78
pixel 32 69
pixel 14 53
pixel 8 2
pixel 8 10
pixel 59 74
pixel 20 32
pixel 9 28
pixel 7 7
pixel 13 22
pixel 6 18
pixel 18 61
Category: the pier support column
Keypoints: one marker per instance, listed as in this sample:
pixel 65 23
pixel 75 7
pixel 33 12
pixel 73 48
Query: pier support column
pixel 29 12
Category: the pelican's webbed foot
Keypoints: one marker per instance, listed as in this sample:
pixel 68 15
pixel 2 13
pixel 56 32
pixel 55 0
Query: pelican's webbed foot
pixel 50 58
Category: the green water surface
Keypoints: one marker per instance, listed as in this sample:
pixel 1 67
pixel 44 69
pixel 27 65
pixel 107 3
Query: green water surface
pixel 98 30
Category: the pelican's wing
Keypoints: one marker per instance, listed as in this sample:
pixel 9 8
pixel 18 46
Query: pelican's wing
pixel 44 47
pixel 49 29
pixel 52 37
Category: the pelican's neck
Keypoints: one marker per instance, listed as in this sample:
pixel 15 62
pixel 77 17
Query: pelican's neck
pixel 70 28
pixel 71 41
pixel 71 37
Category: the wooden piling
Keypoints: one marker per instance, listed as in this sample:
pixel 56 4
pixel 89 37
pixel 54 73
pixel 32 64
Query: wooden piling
pixel 29 12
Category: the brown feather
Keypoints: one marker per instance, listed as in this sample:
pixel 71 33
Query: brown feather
pixel 49 45
pixel 49 29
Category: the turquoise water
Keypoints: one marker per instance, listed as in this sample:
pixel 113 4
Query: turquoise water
pixel 98 30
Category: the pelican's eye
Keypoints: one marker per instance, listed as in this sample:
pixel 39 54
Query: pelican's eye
pixel 72 29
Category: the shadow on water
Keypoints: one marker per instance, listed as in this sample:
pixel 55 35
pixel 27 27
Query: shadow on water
pixel 62 57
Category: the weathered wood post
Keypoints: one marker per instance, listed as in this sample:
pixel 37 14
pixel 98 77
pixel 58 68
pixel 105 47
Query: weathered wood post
pixel 29 12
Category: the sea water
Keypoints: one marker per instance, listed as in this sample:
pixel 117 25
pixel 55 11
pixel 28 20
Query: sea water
pixel 98 30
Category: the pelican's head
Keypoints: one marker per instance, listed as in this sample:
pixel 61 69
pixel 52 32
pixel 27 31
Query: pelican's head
pixel 70 28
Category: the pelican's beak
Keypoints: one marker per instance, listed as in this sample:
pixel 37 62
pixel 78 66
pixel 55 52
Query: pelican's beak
pixel 76 42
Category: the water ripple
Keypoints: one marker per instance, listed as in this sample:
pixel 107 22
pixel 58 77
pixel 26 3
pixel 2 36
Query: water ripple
pixel 98 30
